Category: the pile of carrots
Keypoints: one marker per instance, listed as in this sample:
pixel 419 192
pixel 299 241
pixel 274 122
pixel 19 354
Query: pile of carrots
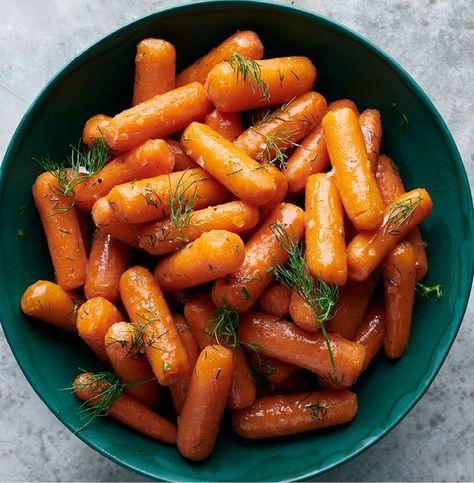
pixel 242 225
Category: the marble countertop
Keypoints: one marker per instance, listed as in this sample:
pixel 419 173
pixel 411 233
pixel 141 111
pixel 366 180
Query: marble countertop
pixel 434 41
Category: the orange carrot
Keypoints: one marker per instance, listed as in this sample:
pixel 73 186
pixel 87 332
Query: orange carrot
pixel 354 178
pixel 239 173
pixel 94 128
pixel 125 409
pixel 231 88
pixel 182 160
pixel 158 117
pixel 227 124
pixel 124 344
pixel 204 406
pixel 399 289
pixel 94 318
pixel 340 103
pixel 214 254
pixel 155 66
pixel 62 231
pixel 368 249
pixel 50 303
pixel 146 305
pixel 275 300
pixel 280 193
pixel 324 235
pixel 241 289
pixel 371 126
pixel 162 236
pixel 273 416
pixel 302 314
pixel 108 259
pixel 273 370
pixel 151 158
pixel 244 43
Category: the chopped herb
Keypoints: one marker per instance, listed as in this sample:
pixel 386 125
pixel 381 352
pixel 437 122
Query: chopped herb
pixel 21 234
pixel 402 213
pixel 404 122
pixel 245 293
pixel 426 291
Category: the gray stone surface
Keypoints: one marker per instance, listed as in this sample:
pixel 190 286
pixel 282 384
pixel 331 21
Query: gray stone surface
pixel 434 41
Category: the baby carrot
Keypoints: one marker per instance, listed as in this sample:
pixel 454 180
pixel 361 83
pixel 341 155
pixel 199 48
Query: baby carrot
pixel 155 68
pixel 108 259
pixel 273 370
pixel 182 160
pixel 353 175
pixel 203 409
pixel 399 290
pixel 125 409
pixel 94 318
pixel 324 235
pixel 48 302
pixel 241 289
pixel 146 305
pixel 95 128
pixel 214 254
pixel 157 117
pixel 280 193
pixel 239 173
pixel 151 158
pixel 62 231
pixel 275 300
pixel 371 126
pixel 302 314
pixel 227 124
pixel 340 103
pixel 273 416
pixel 310 157
pixel 162 236
pixel 123 344
pixel 198 312
pixel 368 249
pixel 285 341
pixel 391 186
pixel 241 83
pixel 244 43
pixel 153 198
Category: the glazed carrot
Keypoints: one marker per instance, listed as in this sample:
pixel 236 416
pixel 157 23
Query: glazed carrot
pixel 399 290
pixel 105 220
pixel 62 231
pixel 302 314
pixel 310 157
pixel 146 305
pixel 340 103
pixel 391 186
pixel 155 68
pixel 108 259
pixel 371 126
pixel 354 298
pixel 150 199
pixel 159 116
pixel 275 300
pixel 324 235
pixel 95 128
pixel 241 289
pixel 94 318
pixel 203 409
pixel 179 389
pixel 285 341
pixel 354 178
pixel 232 88
pixel 159 237
pixel 214 254
pixel 48 302
pixel 368 249
pixel 182 160
pixel 198 312
pixel 227 124
pixel 273 370
pixel 239 173
pixel 123 344
pixel 280 193
pixel 245 43
pixel 151 158
pixel 126 410
pixel 273 416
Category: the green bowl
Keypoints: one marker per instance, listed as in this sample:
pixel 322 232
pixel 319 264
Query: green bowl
pixel 100 80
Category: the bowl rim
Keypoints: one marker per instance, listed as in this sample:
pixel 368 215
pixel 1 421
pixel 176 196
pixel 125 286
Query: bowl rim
pixel 70 65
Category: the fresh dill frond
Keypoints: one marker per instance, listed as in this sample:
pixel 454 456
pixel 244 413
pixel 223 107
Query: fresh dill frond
pixel 270 115
pixel 426 291
pixel 21 234
pixel 134 342
pixel 223 325
pixel 318 411
pixel 295 276
pixel 404 122
pixel 402 213
pixel 249 71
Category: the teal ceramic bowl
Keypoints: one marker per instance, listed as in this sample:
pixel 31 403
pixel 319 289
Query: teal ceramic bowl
pixel 100 80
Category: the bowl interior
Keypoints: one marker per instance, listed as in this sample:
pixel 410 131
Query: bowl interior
pixel 100 80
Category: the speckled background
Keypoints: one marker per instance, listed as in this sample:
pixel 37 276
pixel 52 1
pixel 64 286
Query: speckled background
pixel 434 41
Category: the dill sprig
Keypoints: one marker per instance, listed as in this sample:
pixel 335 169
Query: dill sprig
pixel 249 71
pixel 318 411
pixel 270 115
pixel 402 212
pixel 295 276
pixel 426 291
pixel 276 145
pixel 80 165
pixel 134 343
